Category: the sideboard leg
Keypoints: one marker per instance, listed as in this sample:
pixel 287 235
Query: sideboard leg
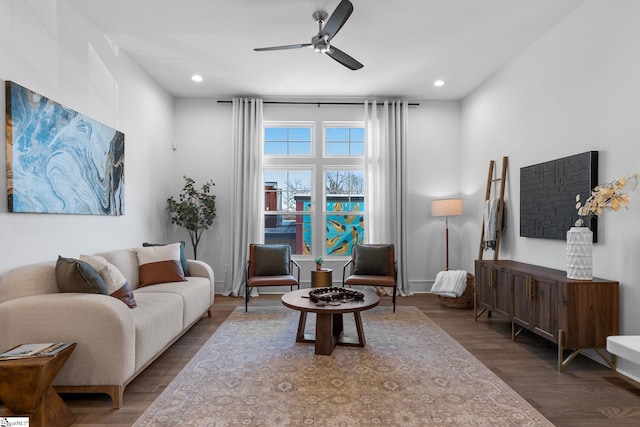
pixel 515 333
pixel 611 362
pixel 564 363
pixel 475 305
pixel 560 350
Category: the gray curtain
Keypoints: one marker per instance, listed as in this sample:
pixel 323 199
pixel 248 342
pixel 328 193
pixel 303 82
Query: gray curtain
pixel 386 126
pixel 246 223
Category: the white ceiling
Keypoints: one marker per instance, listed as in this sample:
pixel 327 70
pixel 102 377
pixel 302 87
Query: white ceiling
pixel 404 44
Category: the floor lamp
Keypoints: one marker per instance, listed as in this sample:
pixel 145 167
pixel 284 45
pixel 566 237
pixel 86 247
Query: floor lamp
pixel 446 208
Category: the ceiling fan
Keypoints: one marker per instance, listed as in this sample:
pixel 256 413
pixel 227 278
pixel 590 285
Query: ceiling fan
pixel 321 41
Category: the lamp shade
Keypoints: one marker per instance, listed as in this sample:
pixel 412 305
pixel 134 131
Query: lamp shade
pixel 446 207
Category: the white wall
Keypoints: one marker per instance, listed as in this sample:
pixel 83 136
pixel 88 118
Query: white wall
pixel 204 152
pixel 51 49
pixel 433 172
pixel 576 89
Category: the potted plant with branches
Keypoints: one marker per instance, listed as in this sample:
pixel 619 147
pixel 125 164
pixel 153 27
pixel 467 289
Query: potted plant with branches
pixel 194 210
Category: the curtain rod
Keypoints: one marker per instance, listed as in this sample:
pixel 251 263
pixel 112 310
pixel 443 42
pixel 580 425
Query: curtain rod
pixel 311 103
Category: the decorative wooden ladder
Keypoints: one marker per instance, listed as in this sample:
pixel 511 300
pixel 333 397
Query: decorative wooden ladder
pixel 490 181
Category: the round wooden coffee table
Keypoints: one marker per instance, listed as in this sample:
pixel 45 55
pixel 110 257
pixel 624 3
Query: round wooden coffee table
pixel 329 323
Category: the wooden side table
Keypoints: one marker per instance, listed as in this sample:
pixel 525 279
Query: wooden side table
pixel 25 389
pixel 321 278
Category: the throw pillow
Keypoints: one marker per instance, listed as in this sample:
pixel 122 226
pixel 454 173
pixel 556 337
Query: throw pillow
pixel 271 260
pixel 73 275
pixel 183 255
pixel 160 264
pixel 116 283
pixel 371 260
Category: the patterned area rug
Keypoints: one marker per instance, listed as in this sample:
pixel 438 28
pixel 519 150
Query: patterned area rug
pixel 411 373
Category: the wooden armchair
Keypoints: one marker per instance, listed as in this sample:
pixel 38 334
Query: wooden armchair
pixel 372 265
pixel 270 265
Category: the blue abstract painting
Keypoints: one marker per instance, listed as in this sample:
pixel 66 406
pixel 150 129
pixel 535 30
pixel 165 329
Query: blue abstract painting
pixel 60 161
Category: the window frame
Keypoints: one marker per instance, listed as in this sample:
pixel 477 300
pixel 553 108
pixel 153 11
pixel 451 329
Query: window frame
pixel 319 161
pixel 290 125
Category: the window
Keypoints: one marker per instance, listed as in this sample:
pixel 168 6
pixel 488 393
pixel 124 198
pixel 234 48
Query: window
pixel 288 213
pixel 344 207
pixel 314 192
pixel 287 141
pixel 344 141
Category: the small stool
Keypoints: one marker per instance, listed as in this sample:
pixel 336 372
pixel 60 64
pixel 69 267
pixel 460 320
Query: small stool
pixel 321 278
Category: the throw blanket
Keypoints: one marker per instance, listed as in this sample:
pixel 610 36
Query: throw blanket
pixel 451 283
pixel 490 217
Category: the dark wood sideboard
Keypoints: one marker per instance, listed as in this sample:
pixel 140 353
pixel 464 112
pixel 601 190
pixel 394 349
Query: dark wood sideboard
pixel 574 314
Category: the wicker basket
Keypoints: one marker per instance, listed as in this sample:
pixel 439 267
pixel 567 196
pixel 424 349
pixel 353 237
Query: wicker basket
pixel 465 300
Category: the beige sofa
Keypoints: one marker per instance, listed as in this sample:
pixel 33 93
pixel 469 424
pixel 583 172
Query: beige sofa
pixel 115 342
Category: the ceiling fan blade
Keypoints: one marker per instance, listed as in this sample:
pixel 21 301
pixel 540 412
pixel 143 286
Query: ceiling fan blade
pixel 338 18
pixel 288 46
pixel 344 59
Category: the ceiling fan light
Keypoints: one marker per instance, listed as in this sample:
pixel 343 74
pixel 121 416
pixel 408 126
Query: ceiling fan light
pixel 321 46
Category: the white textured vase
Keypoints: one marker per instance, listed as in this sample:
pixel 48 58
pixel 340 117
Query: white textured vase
pixel 579 253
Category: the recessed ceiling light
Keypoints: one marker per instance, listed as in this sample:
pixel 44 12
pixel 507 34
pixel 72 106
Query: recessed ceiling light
pixel 439 83
pixel 196 78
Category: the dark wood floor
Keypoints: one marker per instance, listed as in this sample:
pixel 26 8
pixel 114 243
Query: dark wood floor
pixel 586 394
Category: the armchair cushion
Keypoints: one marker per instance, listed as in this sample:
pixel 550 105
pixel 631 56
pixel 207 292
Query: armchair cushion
pixel 371 260
pixel 271 260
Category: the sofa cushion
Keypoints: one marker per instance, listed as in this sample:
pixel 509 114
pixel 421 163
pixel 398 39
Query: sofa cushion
pixel 160 264
pixel 196 296
pixel 117 285
pixel 271 260
pixel 73 275
pixel 183 255
pixel 371 260
pixel 126 261
pixel 157 320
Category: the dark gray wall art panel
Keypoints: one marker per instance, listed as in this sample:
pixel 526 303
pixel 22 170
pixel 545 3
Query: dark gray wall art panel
pixel 548 195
